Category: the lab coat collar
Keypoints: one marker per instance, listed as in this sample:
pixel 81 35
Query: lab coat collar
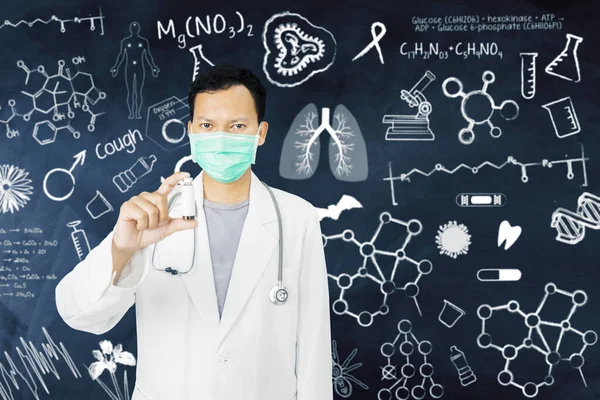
pixel 256 246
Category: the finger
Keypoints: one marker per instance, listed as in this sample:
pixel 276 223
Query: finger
pixel 149 208
pixel 160 202
pixel 179 224
pixel 131 211
pixel 168 184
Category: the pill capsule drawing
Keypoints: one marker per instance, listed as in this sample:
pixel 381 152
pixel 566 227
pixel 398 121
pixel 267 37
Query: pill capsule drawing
pixel 499 275
pixel 481 199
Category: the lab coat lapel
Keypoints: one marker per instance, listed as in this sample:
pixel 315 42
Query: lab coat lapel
pixel 256 247
pixel 200 282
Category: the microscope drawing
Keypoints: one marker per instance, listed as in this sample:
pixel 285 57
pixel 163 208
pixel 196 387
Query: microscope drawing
pixel 412 127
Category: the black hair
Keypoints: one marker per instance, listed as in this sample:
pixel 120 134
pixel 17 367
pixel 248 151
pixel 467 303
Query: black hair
pixel 224 76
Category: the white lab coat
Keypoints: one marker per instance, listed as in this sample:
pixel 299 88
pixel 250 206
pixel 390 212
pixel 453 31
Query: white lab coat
pixel 257 351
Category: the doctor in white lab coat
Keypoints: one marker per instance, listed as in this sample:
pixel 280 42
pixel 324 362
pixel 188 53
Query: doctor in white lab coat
pixel 258 350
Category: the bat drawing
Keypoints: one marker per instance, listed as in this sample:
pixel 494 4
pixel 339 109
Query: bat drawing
pixel 333 211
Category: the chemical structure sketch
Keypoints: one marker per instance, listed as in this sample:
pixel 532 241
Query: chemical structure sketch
pixel 347 149
pixel 375 42
pixel 59 95
pixel 15 188
pixel 453 239
pixel 481 199
pixel 563 116
pixel 405 177
pixel 198 55
pixel 528 75
pixel 300 51
pixel 135 51
pixel 534 322
pixel 566 64
pixel 472 110
pixel 387 285
pixel 400 388
pixel 570 226
pixel 342 380
pixel 78 20
pixel 79 159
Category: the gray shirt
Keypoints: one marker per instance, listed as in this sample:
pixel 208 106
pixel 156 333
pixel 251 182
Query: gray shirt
pixel 224 224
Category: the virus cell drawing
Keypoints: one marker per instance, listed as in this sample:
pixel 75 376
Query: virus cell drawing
pixel 14 188
pixel 408 348
pixel 342 379
pixel 371 270
pixel 539 342
pixel 453 239
pixel 301 49
pixel 302 145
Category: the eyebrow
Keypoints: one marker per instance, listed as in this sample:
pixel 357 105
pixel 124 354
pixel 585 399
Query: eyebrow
pixel 240 118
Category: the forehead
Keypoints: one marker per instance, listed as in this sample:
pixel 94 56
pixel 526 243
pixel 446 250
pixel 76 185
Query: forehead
pixel 221 104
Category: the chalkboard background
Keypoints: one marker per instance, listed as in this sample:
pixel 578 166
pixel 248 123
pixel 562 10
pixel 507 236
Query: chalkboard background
pixel 44 358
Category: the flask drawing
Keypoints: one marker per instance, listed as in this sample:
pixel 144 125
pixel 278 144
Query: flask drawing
pixel 566 64
pixel 459 360
pixel 124 180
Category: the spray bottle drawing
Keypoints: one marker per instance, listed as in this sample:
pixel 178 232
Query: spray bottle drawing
pixel 124 180
pixel 79 240
pixel 459 360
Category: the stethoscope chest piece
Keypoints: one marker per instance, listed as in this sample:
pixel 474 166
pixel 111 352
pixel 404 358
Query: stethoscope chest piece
pixel 278 295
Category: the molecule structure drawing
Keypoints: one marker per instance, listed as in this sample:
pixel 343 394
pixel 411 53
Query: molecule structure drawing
pixel 534 323
pixel 406 343
pixel 60 96
pixel 387 284
pixel 478 107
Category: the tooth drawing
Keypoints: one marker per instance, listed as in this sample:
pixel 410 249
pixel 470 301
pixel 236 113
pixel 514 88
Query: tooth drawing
pixel 301 146
pixel 508 234
pixel 301 49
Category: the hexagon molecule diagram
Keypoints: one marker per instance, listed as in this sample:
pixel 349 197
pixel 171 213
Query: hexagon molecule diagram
pixel 385 279
pixel 534 323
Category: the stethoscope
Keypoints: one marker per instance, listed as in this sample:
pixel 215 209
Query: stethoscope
pixel 278 293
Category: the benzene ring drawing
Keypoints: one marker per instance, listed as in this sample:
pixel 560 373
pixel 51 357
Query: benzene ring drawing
pixel 478 106
pixel 386 282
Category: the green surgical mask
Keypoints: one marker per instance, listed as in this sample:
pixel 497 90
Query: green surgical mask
pixel 224 156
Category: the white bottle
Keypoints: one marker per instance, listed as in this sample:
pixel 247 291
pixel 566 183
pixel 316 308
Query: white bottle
pixel 189 204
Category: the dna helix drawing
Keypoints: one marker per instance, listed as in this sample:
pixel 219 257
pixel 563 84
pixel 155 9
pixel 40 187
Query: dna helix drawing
pixel 570 226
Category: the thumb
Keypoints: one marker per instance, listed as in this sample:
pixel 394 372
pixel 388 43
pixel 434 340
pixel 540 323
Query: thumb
pixel 179 224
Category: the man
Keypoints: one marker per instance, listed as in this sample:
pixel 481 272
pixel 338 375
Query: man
pixel 212 332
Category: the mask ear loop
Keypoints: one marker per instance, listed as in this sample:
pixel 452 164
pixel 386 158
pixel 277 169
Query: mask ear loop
pixel 256 138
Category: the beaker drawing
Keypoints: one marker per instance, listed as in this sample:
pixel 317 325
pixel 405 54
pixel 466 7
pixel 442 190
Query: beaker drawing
pixel 98 206
pixel 450 314
pixel 563 116
pixel 566 64
pixel 124 180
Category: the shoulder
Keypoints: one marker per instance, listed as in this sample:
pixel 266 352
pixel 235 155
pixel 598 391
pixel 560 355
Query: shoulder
pixel 298 212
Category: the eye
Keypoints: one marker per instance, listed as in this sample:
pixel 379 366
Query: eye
pixel 239 126
pixel 205 123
